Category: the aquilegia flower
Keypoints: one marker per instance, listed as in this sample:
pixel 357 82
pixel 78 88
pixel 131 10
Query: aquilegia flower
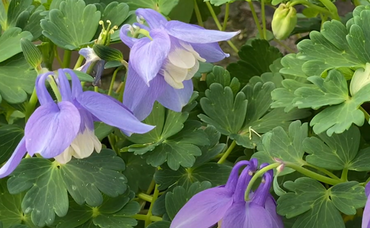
pixel 226 205
pixel 163 62
pixel 65 128
pixel 366 215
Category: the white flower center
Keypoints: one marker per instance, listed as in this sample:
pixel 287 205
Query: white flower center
pixel 81 147
pixel 183 63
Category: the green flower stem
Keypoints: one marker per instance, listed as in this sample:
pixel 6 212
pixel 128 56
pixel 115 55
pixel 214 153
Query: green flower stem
pixel 66 58
pixel 149 214
pixel 55 89
pixel 151 187
pixel 332 8
pixel 198 14
pixel 344 176
pixel 287 48
pixel 218 24
pixel 145 197
pixel 255 18
pixel 96 89
pixel 312 174
pixel 227 153
pixel 258 174
pixel 144 217
pixel 328 173
pixel 79 62
pixel 263 15
pixel 31 104
pixel 367 116
pixel 226 18
pixel 113 80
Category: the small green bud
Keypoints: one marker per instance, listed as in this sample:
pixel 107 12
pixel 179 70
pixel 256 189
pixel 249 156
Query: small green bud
pixel 31 53
pixel 283 21
pixel 360 79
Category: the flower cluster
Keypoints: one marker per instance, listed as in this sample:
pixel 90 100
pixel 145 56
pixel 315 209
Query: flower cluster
pixel 65 128
pixel 163 62
pixel 226 204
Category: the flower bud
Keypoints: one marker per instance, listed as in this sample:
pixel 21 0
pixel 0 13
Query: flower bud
pixel 283 21
pixel 360 79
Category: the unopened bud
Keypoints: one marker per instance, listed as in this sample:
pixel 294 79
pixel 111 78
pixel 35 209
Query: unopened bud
pixel 360 79
pixel 283 21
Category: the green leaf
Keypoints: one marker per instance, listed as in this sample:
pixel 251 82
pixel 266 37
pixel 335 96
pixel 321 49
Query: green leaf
pixel 16 79
pixel 170 141
pixel 317 207
pixel 219 2
pixel 10 208
pixel 113 212
pixel 10 42
pixel 361 161
pixel 335 152
pixel 250 63
pixel 48 183
pixel 178 197
pixel 15 10
pixel 72 25
pixel 116 13
pixel 136 166
pixel 284 145
pixel 162 6
pixel 10 135
pixel 329 91
pixel 310 201
pixel 185 177
pixel 160 224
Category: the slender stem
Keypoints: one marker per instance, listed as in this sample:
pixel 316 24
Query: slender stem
pixel 313 6
pixel 312 174
pixel 344 175
pixel 66 58
pixel 151 187
pixel 149 214
pixel 255 18
pixel 231 44
pixel 198 14
pixel 256 176
pixel 31 104
pixel 113 80
pixel 332 8
pixel 227 153
pixel 214 16
pixel 144 217
pixel 367 116
pixel 263 15
pixel 328 173
pixel 55 89
pixel 226 18
pixel 145 197
pixel 96 89
pixel 79 62
pixel 58 59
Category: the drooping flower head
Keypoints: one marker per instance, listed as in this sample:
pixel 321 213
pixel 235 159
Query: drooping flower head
pixel 163 62
pixel 226 205
pixel 94 61
pixel 65 128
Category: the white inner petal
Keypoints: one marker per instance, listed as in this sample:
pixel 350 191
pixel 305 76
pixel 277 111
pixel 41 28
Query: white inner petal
pixel 192 71
pixel 81 147
pixel 189 48
pixel 182 58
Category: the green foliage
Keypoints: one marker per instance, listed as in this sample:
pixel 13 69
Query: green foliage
pixel 14 89
pixel 250 63
pixel 317 206
pixel 48 183
pixel 10 135
pixel 245 115
pixel 171 141
pixel 71 25
pixel 283 145
pixel 162 6
pixel 10 42
pixel 113 212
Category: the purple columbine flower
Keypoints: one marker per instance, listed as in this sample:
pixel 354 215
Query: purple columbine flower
pixel 226 205
pixel 65 128
pixel 163 62
pixel 366 215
